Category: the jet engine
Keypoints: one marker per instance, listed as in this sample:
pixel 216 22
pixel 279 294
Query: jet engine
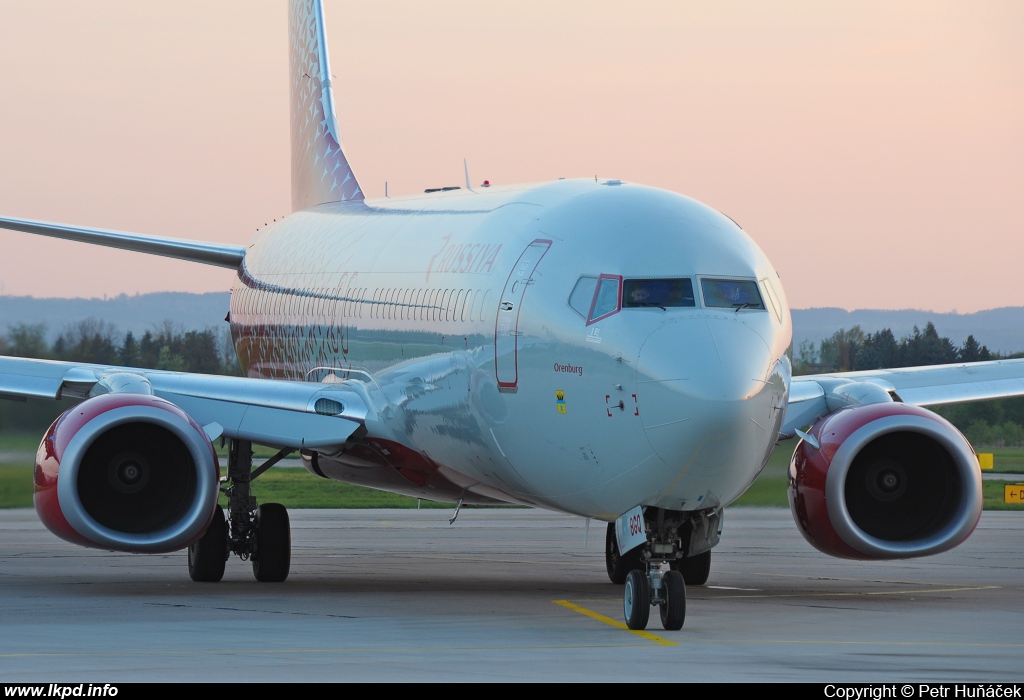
pixel 127 472
pixel 884 481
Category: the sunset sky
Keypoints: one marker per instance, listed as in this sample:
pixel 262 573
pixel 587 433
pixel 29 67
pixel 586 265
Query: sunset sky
pixel 875 150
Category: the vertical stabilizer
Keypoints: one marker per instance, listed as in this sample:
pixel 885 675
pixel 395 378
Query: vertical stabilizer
pixel 320 171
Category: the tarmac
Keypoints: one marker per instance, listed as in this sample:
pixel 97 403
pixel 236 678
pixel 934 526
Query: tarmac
pixel 507 595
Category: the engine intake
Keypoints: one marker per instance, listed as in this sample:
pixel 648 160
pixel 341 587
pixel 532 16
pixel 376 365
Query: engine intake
pixel 886 481
pixel 128 472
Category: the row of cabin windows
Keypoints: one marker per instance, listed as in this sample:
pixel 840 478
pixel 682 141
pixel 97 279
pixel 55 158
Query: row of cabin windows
pixel 314 302
pixel 429 304
pixel 404 304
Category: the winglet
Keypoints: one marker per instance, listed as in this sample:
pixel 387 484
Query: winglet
pixel 320 170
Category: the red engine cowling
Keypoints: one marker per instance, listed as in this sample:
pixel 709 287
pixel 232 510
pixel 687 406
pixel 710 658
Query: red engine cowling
pixel 888 481
pixel 128 472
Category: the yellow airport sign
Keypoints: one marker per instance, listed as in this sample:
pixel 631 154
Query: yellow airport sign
pixel 1013 493
pixel 986 460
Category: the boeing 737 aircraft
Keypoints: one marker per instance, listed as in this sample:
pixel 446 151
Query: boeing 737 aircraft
pixel 591 346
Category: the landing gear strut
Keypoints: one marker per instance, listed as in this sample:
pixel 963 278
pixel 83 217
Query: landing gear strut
pixel 261 534
pixel 677 553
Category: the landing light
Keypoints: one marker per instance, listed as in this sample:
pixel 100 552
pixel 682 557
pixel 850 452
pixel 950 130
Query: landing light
pixel 328 407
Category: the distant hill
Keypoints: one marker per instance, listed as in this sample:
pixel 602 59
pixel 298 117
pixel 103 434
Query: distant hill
pixel 1002 330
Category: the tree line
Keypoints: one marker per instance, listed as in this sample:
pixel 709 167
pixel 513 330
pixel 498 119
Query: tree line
pixel 166 347
pixel 986 423
pixel 853 349
pixel 91 340
pixel 210 351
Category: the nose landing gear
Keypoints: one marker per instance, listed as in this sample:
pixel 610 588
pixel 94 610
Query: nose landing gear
pixel 656 586
pixel 677 553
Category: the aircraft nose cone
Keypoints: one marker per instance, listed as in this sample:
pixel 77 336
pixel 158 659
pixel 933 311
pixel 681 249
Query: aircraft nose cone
pixel 696 379
pixel 711 359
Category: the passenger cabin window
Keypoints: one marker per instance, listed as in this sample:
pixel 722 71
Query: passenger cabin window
pixel 731 294
pixel 658 293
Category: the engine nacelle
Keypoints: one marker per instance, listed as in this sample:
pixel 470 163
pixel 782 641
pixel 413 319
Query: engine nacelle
pixel 888 481
pixel 127 472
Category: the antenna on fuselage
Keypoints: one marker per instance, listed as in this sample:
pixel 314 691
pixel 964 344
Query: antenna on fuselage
pixel 465 165
pixel 385 188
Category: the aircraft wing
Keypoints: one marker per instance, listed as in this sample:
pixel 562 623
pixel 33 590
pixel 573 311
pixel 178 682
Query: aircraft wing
pixel 271 412
pixel 816 395
pixel 220 254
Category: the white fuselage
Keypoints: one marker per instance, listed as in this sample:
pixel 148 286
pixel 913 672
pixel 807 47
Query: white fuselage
pixel 453 309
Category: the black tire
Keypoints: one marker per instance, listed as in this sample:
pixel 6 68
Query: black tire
pixel 673 610
pixel 636 600
pixel 619 565
pixel 695 569
pixel 207 555
pixel 273 556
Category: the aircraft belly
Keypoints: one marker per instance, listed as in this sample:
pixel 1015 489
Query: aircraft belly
pixel 437 487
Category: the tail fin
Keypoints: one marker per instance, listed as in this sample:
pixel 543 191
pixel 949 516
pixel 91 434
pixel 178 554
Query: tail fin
pixel 320 171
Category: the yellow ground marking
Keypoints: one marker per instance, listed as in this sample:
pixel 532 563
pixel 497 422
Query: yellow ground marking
pixel 661 641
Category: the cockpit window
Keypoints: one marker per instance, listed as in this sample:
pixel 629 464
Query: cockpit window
pixel 583 295
pixel 659 293
pixel 731 294
pixel 606 300
pixel 773 301
pixel 595 298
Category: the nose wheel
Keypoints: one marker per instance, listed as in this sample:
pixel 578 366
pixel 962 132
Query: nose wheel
pixel 673 609
pixel 665 589
pixel 636 600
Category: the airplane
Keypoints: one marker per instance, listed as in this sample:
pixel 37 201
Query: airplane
pixel 591 346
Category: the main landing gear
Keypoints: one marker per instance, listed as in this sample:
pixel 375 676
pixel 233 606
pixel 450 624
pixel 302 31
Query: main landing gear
pixel 261 534
pixel 658 571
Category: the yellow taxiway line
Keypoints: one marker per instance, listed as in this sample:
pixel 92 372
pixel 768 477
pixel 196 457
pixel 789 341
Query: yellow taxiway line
pixel 661 641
